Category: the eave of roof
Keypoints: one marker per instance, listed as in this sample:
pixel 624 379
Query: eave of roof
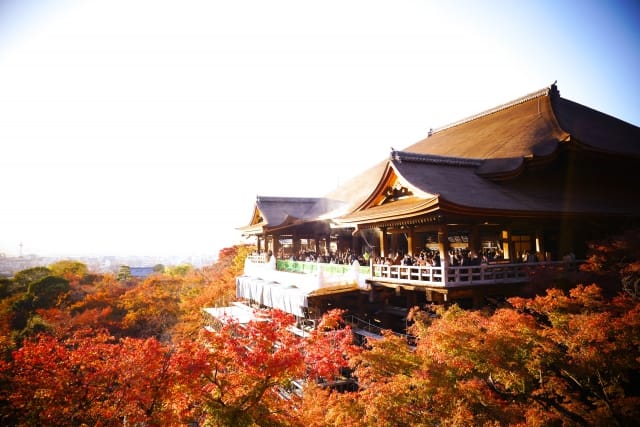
pixel 409 207
pixel 460 189
pixel 276 211
pixel 453 186
pixel 252 229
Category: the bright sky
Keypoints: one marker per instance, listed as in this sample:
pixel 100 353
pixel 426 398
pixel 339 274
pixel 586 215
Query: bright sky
pixel 149 127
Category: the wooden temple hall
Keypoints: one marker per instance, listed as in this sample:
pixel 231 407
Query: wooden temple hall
pixel 468 212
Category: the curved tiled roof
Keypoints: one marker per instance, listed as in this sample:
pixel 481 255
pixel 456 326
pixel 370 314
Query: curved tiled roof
pixel 473 164
pixel 352 193
pixel 278 210
pixel 595 130
pixel 457 188
pixel 536 192
pixel 531 127
pixel 516 129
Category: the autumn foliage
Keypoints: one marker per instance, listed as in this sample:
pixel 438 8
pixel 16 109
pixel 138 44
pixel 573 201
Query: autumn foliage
pixel 90 350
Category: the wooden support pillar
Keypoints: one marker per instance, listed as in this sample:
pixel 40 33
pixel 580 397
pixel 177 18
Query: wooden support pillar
pixel 295 245
pixel 394 244
pixel 410 247
pixel 258 243
pixel 382 236
pixel 276 244
pixel 506 246
pixel 412 300
pixel 474 239
pixel 356 243
pixel 429 295
pixel 443 245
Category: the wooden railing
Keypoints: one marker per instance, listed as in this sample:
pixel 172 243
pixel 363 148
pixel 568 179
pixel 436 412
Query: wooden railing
pixel 461 276
pixel 484 274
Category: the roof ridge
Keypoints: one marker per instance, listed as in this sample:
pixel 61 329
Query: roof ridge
pixel 407 156
pixel 552 89
pixel 286 199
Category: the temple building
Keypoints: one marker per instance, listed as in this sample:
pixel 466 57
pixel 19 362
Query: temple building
pixel 463 214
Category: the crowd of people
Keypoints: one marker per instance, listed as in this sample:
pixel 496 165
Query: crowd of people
pixel 426 257
pixel 431 258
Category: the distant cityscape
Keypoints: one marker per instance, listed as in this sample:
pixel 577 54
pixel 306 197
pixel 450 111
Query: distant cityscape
pixel 9 265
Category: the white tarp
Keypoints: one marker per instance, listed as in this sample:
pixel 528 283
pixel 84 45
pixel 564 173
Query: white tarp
pixel 289 292
pixel 287 298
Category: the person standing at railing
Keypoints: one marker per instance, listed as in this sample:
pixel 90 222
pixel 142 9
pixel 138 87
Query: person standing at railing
pixel 407 260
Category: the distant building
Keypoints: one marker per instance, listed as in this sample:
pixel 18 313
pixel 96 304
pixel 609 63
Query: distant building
pixel 141 272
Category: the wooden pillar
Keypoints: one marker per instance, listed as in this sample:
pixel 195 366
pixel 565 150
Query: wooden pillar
pixel 421 239
pixel 382 236
pixel 410 241
pixel 276 244
pixel 474 239
pixel 258 243
pixel 506 246
pixel 356 243
pixel 412 299
pixel 443 245
pixel 394 244
pixel 295 245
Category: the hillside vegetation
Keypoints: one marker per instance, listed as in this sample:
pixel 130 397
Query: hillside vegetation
pixel 80 348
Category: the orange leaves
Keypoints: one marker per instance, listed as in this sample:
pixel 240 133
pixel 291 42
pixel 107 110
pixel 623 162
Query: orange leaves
pixel 567 358
pixel 561 358
pixel 152 307
pixel 88 379
pixel 328 348
pixel 240 369
pixel 389 357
